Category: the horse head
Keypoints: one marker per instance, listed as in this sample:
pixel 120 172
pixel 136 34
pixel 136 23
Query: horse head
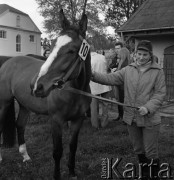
pixel 64 62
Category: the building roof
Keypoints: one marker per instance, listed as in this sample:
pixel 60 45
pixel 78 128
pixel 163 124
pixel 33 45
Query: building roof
pixel 5 7
pixel 151 15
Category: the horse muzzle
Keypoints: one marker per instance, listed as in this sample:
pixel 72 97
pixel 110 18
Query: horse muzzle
pixel 39 91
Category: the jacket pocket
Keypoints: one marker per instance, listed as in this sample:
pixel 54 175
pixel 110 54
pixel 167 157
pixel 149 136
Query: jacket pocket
pixel 152 119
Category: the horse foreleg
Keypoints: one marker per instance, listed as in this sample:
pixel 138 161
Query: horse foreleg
pixel 57 147
pixel 0 136
pixel 75 128
pixel 24 153
pixel 2 118
pixel 20 125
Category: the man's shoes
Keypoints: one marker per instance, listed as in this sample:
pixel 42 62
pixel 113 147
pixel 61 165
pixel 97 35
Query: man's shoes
pixel 119 118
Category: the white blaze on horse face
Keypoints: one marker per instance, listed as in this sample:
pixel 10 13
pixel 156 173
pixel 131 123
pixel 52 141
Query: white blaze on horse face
pixel 61 41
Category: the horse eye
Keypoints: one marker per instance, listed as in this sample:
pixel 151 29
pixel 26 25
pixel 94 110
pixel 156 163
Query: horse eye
pixel 71 51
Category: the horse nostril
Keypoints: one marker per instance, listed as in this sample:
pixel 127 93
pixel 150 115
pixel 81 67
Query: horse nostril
pixel 38 91
pixel 40 87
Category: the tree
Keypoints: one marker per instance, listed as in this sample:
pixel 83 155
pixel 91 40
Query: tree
pixel 100 42
pixel 73 10
pixel 119 11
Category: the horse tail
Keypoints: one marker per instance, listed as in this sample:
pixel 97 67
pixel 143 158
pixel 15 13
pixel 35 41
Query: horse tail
pixel 9 126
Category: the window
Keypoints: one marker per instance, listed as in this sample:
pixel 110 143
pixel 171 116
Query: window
pixel 18 21
pixel 31 38
pixel 18 43
pixel 3 34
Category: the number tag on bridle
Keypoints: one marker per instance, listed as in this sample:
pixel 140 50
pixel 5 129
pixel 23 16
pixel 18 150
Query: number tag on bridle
pixel 84 49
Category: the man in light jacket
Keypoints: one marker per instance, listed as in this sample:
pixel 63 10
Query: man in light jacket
pixel 144 87
pixel 99 64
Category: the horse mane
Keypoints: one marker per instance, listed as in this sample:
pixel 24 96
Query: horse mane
pixel 88 68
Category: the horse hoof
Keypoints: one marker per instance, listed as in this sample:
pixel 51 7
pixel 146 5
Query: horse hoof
pixel 27 160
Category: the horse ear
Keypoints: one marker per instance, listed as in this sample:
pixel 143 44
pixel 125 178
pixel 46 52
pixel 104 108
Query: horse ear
pixel 83 25
pixel 63 20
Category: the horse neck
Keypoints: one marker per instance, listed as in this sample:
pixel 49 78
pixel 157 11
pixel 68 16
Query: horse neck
pixel 88 69
pixel 82 82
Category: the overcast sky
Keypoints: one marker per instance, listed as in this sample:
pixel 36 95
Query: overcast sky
pixel 30 7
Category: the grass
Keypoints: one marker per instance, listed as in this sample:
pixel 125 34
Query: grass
pixel 110 142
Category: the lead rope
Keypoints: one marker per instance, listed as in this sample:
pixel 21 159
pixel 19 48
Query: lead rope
pixel 80 92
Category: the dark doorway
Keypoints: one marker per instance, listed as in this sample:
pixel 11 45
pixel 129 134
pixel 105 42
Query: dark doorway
pixel 168 66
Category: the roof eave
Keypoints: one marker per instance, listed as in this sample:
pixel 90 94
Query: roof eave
pixel 149 29
pixel 21 13
pixel 147 32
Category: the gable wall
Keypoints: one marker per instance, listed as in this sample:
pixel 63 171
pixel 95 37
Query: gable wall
pixel 8 45
pixel 27 28
pixel 9 19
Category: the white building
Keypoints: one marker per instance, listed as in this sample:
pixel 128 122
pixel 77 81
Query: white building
pixel 18 33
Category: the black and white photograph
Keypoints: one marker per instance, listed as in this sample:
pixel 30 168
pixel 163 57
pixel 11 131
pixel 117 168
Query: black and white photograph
pixel 86 89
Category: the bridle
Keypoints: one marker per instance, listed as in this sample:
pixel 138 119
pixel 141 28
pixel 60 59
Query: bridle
pixel 61 82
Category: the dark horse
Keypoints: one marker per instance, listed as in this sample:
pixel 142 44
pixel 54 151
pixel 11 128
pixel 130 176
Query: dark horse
pixel 22 75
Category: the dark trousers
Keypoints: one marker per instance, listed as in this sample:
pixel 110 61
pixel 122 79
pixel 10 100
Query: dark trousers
pixel 121 99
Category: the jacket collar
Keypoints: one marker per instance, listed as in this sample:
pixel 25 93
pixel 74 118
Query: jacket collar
pixel 154 65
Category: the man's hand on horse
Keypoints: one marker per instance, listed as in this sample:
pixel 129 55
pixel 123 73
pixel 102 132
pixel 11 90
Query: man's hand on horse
pixel 113 70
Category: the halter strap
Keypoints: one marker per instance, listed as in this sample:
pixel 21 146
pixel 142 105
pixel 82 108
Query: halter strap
pixel 65 78
pixel 81 38
pixel 60 83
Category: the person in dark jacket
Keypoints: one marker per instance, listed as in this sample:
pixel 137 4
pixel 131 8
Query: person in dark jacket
pixel 144 88
pixel 114 63
pixel 121 60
